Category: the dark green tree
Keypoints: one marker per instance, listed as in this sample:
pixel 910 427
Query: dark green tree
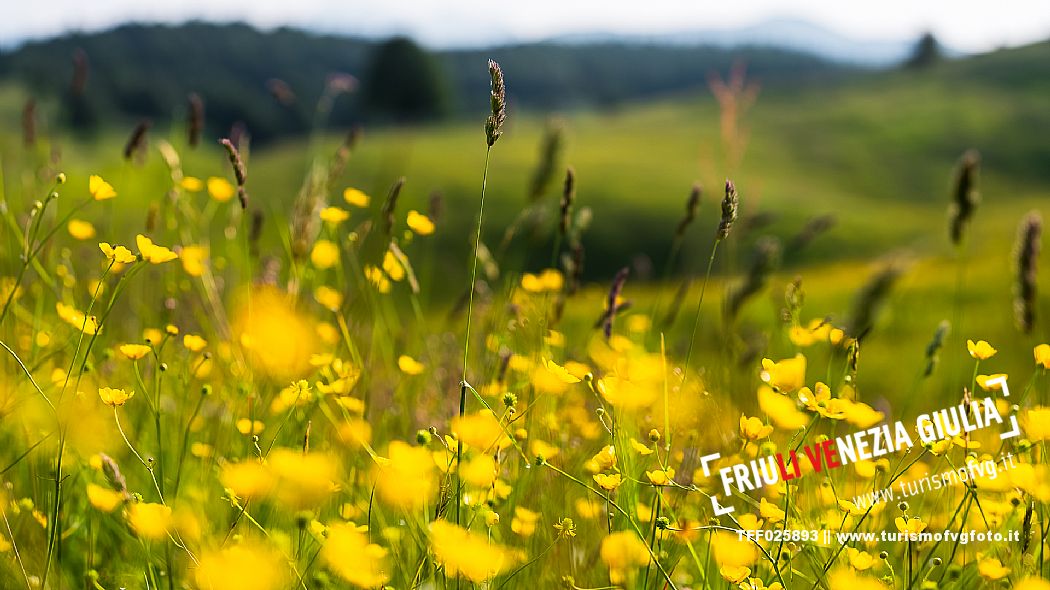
pixel 403 83
pixel 927 52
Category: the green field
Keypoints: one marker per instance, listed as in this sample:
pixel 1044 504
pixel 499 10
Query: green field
pixel 877 151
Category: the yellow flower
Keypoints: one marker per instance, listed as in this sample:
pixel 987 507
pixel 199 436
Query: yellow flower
pixel 246 426
pixel 847 578
pixel 325 254
pixel 860 560
pixel 608 482
pixel 548 280
pixel 328 297
pixel 822 403
pixel 392 266
pixel 1042 355
pixel 114 397
pixel 334 215
pixel 100 189
pixel 913 525
pixel 303 479
pixel 991 568
pixel 753 429
pixel 1036 422
pixel 194 343
pixel 980 350
pixel 1032 583
pixel 734 575
pixel 660 477
pixel 243 566
pixel 851 508
pixel 524 521
pixel 376 277
pixel 152 252
pixel 419 223
pixel 758 584
pixel 603 460
pixel 247 479
pixel 480 430
pixel 152 335
pixel 191 184
pixel 118 254
pixel 781 409
pixel 785 375
pixel 749 522
pixel 80 229
pixel 349 554
pixel 640 448
pixel 77 319
pixel 462 552
pixel 220 189
pixel 134 351
pixel 859 414
pixel 193 260
pixel 982 380
pixel 103 499
pixel 356 197
pixel 770 511
pixel 480 471
pixel 560 372
pixel 406 479
pixel 622 552
pixel 150 521
pixel 409 365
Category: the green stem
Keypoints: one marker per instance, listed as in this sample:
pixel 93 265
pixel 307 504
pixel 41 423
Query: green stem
pixel 466 338
pixel 699 304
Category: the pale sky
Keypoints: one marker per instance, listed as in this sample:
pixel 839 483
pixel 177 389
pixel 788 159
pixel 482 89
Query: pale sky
pixel 968 25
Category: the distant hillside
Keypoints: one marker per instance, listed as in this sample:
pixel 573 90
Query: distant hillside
pixel 148 71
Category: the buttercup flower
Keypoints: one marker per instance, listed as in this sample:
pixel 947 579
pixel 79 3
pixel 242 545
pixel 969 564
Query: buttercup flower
pixel 153 253
pixel 786 375
pixel 356 197
pixel 194 343
pixel 991 568
pixel 100 189
pixel 80 229
pixel 1042 355
pixel 660 477
pixel 134 351
pixel 118 254
pixel 409 365
pixel 980 350
pixel 220 189
pixel 608 482
pixel 114 397
pixel 419 223
pixel 334 215
pixel 753 429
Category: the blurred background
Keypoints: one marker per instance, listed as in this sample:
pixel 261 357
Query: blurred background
pixel 840 125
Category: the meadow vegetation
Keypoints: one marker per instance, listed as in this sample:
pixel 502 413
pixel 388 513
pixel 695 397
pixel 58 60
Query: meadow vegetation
pixel 299 367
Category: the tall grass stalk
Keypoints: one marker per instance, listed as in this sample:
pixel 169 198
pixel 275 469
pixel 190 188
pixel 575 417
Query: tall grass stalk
pixel 730 207
pixel 466 336
pixel 493 130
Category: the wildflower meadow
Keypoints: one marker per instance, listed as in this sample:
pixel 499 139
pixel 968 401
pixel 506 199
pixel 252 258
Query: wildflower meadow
pixel 202 389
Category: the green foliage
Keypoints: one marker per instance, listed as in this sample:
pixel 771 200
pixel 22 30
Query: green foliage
pixel 926 53
pixel 403 83
pixel 137 71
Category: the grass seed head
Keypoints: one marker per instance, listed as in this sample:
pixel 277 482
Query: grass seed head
pixel 965 196
pixel 498 99
pixel 692 206
pixel 1029 240
pixel 730 206
pixel 195 122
